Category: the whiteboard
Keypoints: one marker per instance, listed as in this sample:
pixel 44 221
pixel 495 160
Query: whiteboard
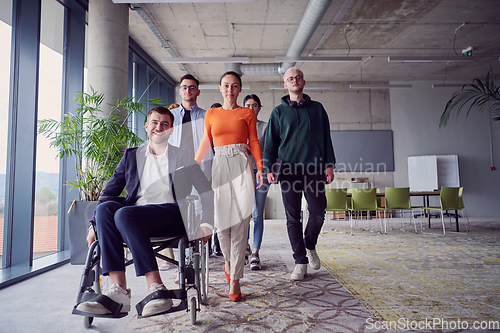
pixel 448 174
pixel 431 172
pixel 422 173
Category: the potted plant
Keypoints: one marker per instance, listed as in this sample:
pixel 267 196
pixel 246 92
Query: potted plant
pixel 479 94
pixel 96 140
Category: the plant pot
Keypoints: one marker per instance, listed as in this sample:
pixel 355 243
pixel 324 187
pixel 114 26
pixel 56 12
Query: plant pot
pixel 78 221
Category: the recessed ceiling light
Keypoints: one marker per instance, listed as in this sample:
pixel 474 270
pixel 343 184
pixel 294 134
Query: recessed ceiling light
pixel 179 1
pixel 307 86
pixel 205 60
pixel 379 86
pixel 318 59
pixel 449 85
pixel 430 59
pixel 216 86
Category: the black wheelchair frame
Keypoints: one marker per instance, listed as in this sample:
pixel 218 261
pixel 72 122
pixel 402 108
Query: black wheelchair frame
pixel 193 274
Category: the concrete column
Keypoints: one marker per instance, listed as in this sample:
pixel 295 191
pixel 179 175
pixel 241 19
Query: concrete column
pixel 108 49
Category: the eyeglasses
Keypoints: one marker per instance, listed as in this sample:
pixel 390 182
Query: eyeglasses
pixel 296 78
pixel 190 88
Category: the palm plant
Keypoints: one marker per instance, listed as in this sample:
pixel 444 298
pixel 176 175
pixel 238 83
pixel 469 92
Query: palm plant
pixel 478 94
pixel 95 139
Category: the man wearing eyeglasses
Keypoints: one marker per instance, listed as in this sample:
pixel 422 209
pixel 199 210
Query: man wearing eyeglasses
pixel 298 134
pixel 189 122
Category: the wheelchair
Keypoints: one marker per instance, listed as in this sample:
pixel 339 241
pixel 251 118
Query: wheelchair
pixel 192 266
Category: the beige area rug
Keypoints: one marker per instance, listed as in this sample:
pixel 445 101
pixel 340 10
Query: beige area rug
pixel 271 301
pixel 418 277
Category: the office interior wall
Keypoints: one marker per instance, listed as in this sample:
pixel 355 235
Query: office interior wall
pixel 347 109
pixel 415 117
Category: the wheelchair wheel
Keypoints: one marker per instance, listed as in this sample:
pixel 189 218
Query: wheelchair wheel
pixel 87 321
pixel 192 309
pixel 204 273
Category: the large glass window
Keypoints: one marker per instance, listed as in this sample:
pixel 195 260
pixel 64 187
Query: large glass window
pixel 49 106
pixel 85 59
pixel 5 40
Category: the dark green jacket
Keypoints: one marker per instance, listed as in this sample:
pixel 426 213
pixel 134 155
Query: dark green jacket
pixel 299 135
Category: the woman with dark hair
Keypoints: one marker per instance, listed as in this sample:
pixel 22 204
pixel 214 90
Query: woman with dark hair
pixel 252 101
pixel 232 129
pixel 216 248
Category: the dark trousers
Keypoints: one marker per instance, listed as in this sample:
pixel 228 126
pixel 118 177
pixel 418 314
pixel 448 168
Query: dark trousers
pixel 134 225
pixel 216 243
pixel 313 187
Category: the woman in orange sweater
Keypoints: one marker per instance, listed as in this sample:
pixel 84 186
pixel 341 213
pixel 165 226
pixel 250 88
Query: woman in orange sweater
pixel 231 127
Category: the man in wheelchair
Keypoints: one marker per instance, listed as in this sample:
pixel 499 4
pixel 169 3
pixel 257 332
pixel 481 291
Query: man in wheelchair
pixel 157 177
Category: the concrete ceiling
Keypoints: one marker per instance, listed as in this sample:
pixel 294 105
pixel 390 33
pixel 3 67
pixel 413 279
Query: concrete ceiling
pixel 373 29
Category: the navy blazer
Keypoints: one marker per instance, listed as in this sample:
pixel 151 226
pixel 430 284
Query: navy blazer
pixel 183 171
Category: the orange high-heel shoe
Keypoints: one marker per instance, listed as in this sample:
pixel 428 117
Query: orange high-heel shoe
pixel 228 277
pixel 235 297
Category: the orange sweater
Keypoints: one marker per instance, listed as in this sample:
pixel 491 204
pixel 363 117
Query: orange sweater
pixel 227 127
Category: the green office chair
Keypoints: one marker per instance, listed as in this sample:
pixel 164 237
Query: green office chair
pixel 462 207
pixel 448 199
pixel 336 201
pixel 398 198
pixel 364 199
pixel 349 200
pixel 380 205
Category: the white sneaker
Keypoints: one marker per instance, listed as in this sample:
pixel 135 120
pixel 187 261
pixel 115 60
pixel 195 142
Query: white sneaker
pixel 299 272
pixel 313 259
pixel 155 306
pixel 116 293
pixel 166 267
pixel 255 262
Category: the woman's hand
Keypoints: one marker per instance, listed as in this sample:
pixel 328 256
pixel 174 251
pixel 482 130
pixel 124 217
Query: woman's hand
pixel 260 178
pixel 205 233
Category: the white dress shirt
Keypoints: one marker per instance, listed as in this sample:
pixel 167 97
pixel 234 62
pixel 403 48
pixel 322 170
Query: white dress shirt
pixel 198 127
pixel 154 181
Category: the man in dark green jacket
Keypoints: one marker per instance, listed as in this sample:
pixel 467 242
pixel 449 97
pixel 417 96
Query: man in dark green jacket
pixel 298 133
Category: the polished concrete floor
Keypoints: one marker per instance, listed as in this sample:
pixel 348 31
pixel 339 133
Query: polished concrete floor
pixel 44 303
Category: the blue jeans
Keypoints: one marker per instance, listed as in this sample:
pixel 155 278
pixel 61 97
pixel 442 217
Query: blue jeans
pixel 258 213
